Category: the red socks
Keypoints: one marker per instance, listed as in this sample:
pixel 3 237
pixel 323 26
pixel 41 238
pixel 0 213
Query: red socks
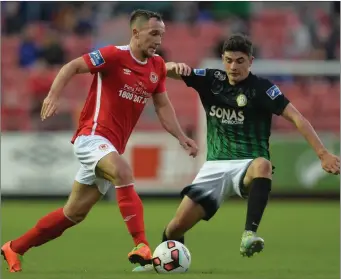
pixel 55 223
pixel 131 209
pixel 48 228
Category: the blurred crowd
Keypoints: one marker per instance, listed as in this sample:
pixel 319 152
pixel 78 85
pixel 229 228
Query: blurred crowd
pixel 38 37
pixel 314 31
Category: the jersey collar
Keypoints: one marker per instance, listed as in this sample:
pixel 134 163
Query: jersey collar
pixel 244 81
pixel 138 61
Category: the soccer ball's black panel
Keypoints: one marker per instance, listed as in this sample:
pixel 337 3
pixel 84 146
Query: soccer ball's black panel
pixel 175 255
pixel 171 244
pixel 156 261
pixel 175 263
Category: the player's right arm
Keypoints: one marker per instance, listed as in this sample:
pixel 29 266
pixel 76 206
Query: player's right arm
pixel 177 70
pixel 96 61
pixel 195 78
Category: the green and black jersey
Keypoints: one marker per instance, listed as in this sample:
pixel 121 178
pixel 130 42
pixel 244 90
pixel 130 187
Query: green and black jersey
pixel 238 117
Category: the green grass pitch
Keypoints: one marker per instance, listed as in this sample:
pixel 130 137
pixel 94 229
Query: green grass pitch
pixel 302 240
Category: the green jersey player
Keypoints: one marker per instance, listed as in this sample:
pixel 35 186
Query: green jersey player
pixel 239 107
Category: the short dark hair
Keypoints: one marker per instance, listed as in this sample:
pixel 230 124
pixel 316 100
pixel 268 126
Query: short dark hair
pixel 144 14
pixel 238 42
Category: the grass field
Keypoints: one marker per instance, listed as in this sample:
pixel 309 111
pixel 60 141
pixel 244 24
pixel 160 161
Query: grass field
pixel 302 240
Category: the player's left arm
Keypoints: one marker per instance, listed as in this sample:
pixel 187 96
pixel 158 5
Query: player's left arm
pixel 330 163
pixel 275 101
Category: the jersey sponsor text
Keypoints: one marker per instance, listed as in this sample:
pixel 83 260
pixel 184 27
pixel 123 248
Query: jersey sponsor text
pixel 228 116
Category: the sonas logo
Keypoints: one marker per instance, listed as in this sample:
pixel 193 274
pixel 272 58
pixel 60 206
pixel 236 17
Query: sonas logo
pixel 228 116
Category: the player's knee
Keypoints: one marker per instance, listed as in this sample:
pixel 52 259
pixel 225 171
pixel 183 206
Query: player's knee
pixel 123 175
pixel 115 169
pixel 262 168
pixel 119 173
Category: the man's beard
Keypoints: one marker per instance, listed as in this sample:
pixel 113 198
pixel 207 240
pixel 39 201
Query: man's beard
pixel 144 52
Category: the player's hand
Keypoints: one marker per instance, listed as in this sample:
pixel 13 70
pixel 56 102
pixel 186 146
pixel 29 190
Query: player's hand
pixel 330 163
pixel 181 69
pixel 49 107
pixel 190 146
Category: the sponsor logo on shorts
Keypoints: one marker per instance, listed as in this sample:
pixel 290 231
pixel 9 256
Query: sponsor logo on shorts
pixel 104 147
pixel 153 77
pixel 96 58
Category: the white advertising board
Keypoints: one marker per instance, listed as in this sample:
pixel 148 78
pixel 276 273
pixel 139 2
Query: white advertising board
pixel 44 163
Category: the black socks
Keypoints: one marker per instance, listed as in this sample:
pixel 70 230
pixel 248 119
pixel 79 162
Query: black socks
pixel 258 199
pixel 164 238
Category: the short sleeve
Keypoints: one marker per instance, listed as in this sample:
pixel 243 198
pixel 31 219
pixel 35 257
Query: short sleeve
pixel 272 98
pixel 102 59
pixel 197 78
pixel 161 87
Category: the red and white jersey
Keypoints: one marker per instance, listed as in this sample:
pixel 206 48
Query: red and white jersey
pixel 119 92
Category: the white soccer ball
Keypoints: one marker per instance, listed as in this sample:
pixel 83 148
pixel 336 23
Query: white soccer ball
pixel 171 257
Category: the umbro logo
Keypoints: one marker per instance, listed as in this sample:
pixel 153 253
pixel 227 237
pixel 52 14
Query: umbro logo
pixel 126 71
pixel 126 219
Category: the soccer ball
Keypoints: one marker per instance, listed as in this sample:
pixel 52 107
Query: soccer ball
pixel 171 257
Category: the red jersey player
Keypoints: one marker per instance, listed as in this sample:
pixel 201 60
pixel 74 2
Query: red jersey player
pixel 124 79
